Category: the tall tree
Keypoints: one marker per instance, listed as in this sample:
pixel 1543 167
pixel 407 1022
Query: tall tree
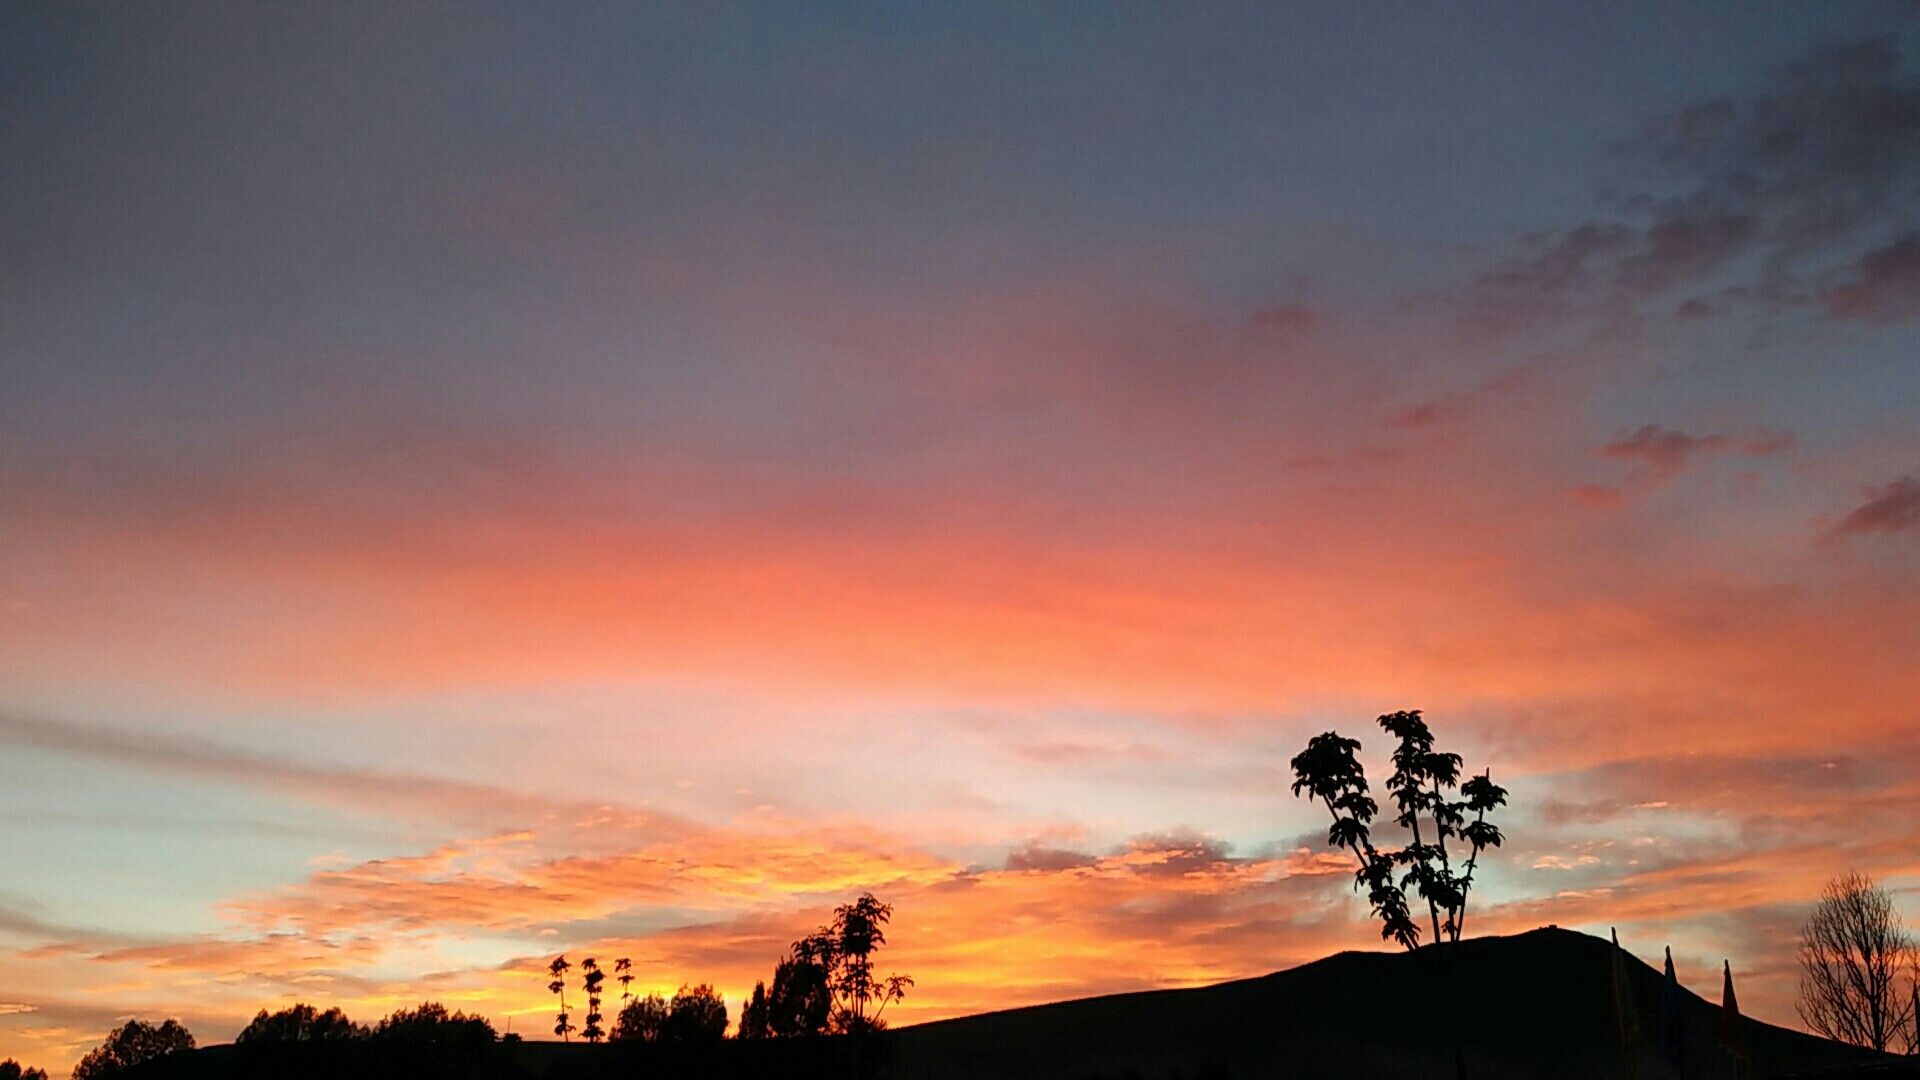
pixel 827 982
pixel 1857 964
pixel 623 971
pixel 755 1017
pixel 563 1021
pixel 591 980
pixel 800 1002
pixel 857 932
pixel 1329 771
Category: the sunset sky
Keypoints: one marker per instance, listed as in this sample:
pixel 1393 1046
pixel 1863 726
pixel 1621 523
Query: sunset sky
pixel 481 482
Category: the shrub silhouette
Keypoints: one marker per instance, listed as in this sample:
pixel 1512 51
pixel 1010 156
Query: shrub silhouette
pixel 640 1020
pixel 13 1070
pixel 300 1023
pixel 696 1015
pixel 132 1043
pixel 1329 771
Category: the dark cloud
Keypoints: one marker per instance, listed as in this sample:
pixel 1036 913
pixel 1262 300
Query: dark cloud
pixel 1663 450
pixel 1833 145
pixel 1889 509
pixel 1885 285
pixel 1666 452
pixel 1683 245
pixel 1041 857
pixel 1175 854
pixel 1507 384
pixel 1764 196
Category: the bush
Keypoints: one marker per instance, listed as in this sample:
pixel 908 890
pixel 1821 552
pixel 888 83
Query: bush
pixel 697 1015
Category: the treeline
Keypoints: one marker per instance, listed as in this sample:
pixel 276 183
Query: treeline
pixel 427 1033
pixel 826 984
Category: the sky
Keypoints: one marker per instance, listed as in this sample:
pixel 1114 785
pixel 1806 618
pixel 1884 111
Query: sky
pixel 480 482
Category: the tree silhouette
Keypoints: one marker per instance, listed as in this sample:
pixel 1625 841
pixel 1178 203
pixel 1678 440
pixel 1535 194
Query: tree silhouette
pixel 800 1001
pixel 300 1023
pixel 755 1017
pixel 13 1070
pixel 130 1044
pixel 1854 956
pixel 429 1042
pixel 827 983
pixel 431 1026
pixel 1329 771
pixel 641 1020
pixel 696 1015
pixel 591 980
pixel 563 1023
pixel 858 929
pixel 623 970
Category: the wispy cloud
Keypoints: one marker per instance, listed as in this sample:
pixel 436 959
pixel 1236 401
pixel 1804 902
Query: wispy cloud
pixel 368 789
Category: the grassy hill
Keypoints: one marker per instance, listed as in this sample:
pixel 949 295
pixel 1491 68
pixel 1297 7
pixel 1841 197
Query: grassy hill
pixel 1534 1005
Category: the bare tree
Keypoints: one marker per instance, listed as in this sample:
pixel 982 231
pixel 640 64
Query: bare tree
pixel 1857 963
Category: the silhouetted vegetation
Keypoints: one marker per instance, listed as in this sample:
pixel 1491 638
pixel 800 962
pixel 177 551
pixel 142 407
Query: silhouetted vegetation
pixel 300 1023
pixel 1544 1013
pixel 432 1026
pixel 563 1022
pixel 132 1043
pixel 623 971
pixel 1422 779
pixel 13 1070
pixel 591 979
pixel 799 1003
pixel 427 1042
pixel 695 1015
pixel 641 1020
pixel 1858 977
pixel 755 1020
pixel 826 983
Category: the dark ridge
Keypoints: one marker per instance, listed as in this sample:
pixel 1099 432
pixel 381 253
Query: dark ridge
pixel 1537 1004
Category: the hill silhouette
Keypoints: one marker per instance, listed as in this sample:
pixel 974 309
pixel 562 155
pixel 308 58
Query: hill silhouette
pixel 1540 1006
